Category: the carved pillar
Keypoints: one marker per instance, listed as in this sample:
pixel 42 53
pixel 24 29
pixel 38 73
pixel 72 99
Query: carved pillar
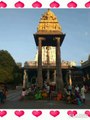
pixel 59 81
pixel 39 76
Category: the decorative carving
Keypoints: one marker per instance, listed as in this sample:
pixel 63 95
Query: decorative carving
pixel 49 22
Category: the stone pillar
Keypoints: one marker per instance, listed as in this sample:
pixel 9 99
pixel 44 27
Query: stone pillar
pixel 70 78
pixel 55 76
pixel 39 75
pixel 59 81
pixel 24 79
pixel 48 72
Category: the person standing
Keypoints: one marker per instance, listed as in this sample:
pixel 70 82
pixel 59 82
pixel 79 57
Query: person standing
pixel 77 88
pixel 83 90
pixel 23 94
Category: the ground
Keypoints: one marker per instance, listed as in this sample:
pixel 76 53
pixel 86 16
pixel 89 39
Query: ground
pixel 13 103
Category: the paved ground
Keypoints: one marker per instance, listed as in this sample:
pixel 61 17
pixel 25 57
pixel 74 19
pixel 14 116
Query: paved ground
pixel 14 95
pixel 13 103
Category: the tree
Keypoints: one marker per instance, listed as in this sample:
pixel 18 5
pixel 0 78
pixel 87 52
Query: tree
pixel 9 71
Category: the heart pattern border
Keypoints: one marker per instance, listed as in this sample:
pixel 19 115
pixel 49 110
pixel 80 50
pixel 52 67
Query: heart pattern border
pixel 38 4
pixel 39 113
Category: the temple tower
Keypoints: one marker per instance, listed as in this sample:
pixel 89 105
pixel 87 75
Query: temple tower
pixel 49 35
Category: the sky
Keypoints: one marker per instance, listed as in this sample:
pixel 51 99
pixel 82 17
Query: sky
pixel 17 27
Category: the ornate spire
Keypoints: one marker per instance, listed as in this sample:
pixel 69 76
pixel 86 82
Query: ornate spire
pixel 49 23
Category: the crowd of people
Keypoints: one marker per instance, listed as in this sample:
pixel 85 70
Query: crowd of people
pixel 38 93
pixel 75 94
pixel 71 94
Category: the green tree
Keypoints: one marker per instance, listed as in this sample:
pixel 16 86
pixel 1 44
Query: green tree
pixel 9 71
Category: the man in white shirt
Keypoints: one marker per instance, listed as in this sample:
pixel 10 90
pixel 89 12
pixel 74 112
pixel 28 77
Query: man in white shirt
pixel 83 90
pixel 77 88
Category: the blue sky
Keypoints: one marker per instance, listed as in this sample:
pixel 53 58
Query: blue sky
pixel 17 27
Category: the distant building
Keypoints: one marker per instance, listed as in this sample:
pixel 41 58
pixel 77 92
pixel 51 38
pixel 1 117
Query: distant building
pixel 86 68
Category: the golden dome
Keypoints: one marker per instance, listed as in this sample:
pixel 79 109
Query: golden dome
pixel 49 23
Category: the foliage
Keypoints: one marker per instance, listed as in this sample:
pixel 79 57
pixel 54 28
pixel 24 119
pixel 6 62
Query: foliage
pixel 9 71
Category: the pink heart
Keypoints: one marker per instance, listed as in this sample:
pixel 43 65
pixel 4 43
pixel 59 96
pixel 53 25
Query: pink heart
pixel 37 4
pixel 87 5
pixel 54 4
pixel 3 113
pixel 87 113
pixel 3 4
pixel 19 113
pixel 54 113
pixel 19 4
pixel 72 4
pixel 37 113
pixel 72 113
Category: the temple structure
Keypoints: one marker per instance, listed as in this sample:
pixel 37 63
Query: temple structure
pixel 47 65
